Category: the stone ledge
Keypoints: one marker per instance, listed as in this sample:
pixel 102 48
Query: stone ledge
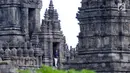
pixel 4 62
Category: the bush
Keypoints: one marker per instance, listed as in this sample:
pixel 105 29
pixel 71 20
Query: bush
pixel 47 69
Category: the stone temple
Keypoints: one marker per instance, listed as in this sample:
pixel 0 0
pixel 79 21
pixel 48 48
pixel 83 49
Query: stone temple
pixel 24 41
pixel 104 38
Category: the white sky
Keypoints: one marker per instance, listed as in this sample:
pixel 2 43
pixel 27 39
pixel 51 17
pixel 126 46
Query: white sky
pixel 67 10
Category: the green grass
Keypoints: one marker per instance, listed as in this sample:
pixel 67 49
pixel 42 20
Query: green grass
pixel 47 69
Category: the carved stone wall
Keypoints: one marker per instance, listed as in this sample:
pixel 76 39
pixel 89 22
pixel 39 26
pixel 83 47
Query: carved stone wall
pixel 52 39
pixel 22 3
pixel 104 36
pixel 19 19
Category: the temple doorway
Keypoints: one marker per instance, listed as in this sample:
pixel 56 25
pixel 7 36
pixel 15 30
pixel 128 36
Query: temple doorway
pixel 55 54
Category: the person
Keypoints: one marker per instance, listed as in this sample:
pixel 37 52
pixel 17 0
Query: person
pixel 56 62
pixel 56 59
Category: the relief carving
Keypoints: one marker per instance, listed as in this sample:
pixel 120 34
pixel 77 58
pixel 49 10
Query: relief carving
pixel 106 41
pixel 8 1
pixel 125 29
pixel 32 1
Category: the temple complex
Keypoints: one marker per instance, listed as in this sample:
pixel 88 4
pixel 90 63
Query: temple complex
pixel 24 41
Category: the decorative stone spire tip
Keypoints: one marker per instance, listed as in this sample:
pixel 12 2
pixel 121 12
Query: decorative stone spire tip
pixel 51 5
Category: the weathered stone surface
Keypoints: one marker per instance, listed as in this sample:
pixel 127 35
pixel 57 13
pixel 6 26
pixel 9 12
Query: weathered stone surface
pixel 25 42
pixel 7 67
pixel 52 39
pixel 18 21
pixel 19 18
pixel 104 36
pixel 21 3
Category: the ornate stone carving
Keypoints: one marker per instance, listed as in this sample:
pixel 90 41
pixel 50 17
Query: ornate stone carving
pixel 112 23
pixel 16 19
pixel 32 1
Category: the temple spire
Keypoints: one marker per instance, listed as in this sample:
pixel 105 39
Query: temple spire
pixel 46 15
pixel 51 6
pixel 55 14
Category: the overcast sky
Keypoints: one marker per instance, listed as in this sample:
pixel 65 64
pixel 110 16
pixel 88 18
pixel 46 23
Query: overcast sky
pixel 67 10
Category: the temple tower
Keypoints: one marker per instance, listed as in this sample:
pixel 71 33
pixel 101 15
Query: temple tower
pixel 104 38
pixel 18 20
pixel 52 38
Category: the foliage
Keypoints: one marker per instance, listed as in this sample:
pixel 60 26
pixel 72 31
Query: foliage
pixel 24 71
pixel 47 69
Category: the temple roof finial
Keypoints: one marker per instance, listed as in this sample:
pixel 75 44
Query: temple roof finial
pixel 51 5
pixel 46 15
pixel 55 14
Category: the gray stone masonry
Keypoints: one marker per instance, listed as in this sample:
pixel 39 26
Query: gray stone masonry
pixel 104 38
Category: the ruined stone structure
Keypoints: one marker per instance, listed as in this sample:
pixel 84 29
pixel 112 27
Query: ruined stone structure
pixel 18 20
pixel 104 38
pixel 24 41
pixel 52 39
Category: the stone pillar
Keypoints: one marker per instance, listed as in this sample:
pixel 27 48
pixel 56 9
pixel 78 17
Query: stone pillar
pixel 14 17
pixel 50 49
pixel 24 21
pixel 46 52
pixel 60 58
pixel 40 59
pixel 37 20
pixel 37 61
